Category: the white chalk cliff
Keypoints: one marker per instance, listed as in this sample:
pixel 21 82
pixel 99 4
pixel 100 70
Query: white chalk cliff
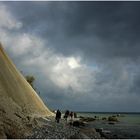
pixel 17 97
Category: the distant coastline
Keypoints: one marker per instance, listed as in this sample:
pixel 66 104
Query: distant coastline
pixel 107 112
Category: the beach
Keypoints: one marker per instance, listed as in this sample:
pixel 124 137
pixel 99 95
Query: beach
pixel 85 126
pixel 50 129
pixel 89 127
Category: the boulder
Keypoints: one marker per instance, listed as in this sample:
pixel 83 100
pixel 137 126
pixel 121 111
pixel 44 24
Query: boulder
pixel 112 119
pixel 78 123
pixel 104 118
pixel 87 119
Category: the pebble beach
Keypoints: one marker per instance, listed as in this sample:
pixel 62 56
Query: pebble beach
pixel 63 130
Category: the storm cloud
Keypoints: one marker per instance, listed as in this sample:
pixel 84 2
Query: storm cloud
pixel 84 55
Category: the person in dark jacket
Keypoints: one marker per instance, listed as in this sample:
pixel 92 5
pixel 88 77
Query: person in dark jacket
pixel 66 115
pixel 71 115
pixel 58 116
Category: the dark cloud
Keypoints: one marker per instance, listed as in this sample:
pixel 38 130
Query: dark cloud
pixel 109 29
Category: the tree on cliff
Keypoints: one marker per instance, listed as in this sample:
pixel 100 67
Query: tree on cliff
pixel 30 79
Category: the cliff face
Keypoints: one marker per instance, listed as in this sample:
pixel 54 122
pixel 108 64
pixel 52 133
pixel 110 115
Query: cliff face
pixel 17 98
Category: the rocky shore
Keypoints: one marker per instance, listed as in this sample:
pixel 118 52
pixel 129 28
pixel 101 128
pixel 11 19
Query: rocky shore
pixel 45 128
pixel 49 129
pixel 79 128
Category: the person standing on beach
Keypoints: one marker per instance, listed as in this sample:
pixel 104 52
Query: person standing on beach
pixel 58 116
pixel 75 115
pixel 71 115
pixel 66 115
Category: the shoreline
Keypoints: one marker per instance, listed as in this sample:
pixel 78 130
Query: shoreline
pixel 49 129
pixel 84 128
pixel 79 128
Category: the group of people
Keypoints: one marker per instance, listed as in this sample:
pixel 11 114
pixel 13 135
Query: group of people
pixel 66 115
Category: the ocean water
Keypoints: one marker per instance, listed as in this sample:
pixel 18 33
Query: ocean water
pixel 133 118
pixel 127 127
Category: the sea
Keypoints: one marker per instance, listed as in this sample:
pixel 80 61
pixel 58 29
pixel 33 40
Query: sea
pixel 128 126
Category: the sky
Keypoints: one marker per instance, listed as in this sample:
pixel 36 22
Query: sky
pixel 85 56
